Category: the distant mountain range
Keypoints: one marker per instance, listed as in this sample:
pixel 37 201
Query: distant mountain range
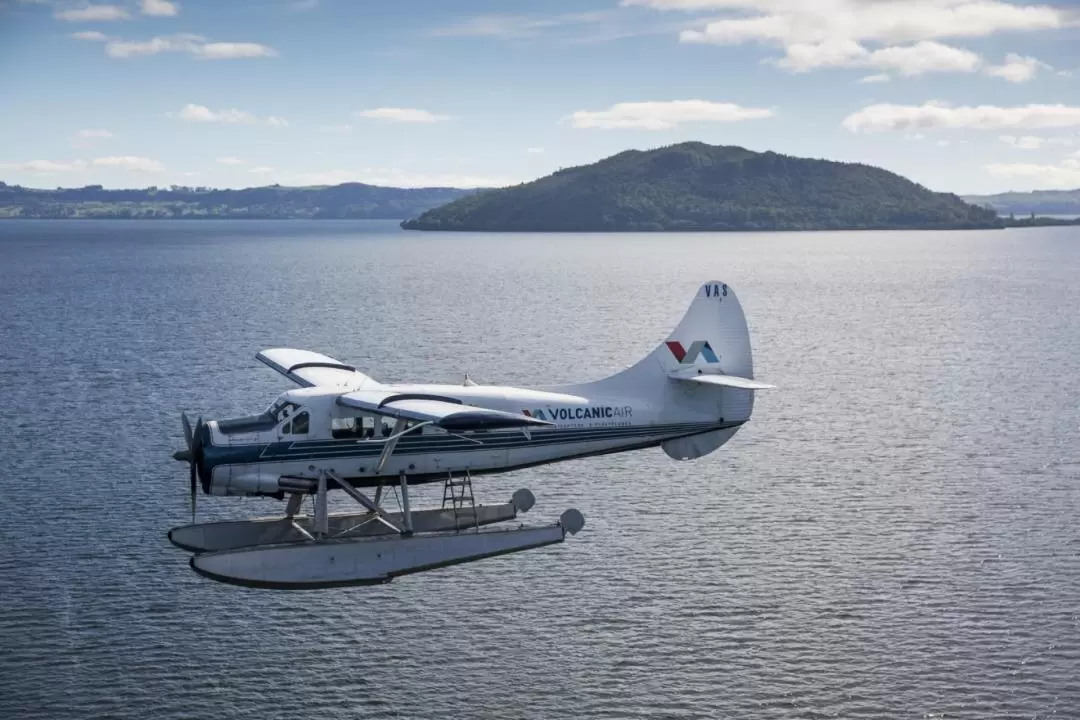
pixel 1040 202
pixel 351 200
pixel 694 186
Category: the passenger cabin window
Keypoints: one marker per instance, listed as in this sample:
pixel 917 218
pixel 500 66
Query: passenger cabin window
pixel 369 427
pixel 349 428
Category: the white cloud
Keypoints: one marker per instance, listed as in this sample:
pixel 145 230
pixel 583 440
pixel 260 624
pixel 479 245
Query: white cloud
pixel 836 33
pixel 90 35
pixel 515 26
pixel 230 161
pixel 923 57
pixel 535 150
pixel 45 167
pixel 185 43
pixel 1018 69
pixel 684 4
pixel 135 48
pixel 909 60
pixel 130 163
pixel 884 117
pixel 231 116
pixel 874 79
pixel 802 57
pixel 92 13
pixel 201 113
pixel 403 115
pixel 126 162
pixel 229 50
pixel 887 21
pixel 1027 142
pixel 1059 177
pixel 261 170
pixel 664 115
pixel 159 8
pixel 87 134
pixel 943 143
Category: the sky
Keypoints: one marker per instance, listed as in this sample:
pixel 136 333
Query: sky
pixel 965 96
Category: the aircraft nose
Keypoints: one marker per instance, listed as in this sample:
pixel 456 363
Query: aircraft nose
pixel 182 455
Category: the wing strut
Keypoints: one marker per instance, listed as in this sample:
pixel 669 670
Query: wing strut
pixel 391 442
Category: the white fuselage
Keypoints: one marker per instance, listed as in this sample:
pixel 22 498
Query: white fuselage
pixel 306 431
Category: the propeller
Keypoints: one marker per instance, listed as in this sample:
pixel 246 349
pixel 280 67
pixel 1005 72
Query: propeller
pixel 190 455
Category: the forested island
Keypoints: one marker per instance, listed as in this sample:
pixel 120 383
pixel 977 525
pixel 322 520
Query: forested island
pixel 694 186
pixel 349 200
pixel 688 186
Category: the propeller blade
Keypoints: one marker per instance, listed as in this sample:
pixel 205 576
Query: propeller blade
pixel 195 443
pixel 191 455
pixel 187 429
pixel 193 496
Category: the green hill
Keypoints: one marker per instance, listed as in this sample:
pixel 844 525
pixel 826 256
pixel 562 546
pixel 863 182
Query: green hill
pixel 694 186
pixel 350 200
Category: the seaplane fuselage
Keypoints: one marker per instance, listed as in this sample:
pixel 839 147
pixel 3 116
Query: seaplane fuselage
pixel 306 430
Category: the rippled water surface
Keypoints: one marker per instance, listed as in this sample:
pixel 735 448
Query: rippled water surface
pixel 894 534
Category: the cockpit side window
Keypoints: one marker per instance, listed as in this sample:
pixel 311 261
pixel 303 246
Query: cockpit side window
pixel 300 424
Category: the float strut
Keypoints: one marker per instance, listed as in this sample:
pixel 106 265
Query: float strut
pixel 363 499
pixel 295 499
pixel 322 522
pixel 405 512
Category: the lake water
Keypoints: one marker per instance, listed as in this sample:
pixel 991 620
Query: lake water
pixel 894 534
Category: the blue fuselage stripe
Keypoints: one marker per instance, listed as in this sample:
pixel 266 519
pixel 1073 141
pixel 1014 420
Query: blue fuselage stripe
pixel 289 451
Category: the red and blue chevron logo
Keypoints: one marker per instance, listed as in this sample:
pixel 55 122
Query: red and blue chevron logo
pixel 688 356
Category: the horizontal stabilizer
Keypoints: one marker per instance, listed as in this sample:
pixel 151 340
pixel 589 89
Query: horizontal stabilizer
pixel 731 381
pixel 445 412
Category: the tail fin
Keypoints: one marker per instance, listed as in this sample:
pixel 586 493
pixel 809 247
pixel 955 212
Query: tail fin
pixel 712 338
pixel 703 371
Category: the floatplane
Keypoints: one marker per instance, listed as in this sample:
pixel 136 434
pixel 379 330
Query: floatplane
pixel 342 430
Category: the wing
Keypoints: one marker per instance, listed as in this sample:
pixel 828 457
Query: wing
pixel 308 368
pixel 445 412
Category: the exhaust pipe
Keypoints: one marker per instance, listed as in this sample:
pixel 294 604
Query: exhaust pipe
pixel 295 484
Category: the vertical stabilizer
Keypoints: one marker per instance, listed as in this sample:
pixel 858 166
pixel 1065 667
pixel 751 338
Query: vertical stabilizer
pixel 704 370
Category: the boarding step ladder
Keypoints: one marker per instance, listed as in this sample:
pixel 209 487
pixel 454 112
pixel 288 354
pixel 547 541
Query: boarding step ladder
pixel 459 495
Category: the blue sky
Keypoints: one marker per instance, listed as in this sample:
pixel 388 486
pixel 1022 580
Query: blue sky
pixel 967 96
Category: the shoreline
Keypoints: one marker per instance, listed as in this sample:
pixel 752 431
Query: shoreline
pixel 399 223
